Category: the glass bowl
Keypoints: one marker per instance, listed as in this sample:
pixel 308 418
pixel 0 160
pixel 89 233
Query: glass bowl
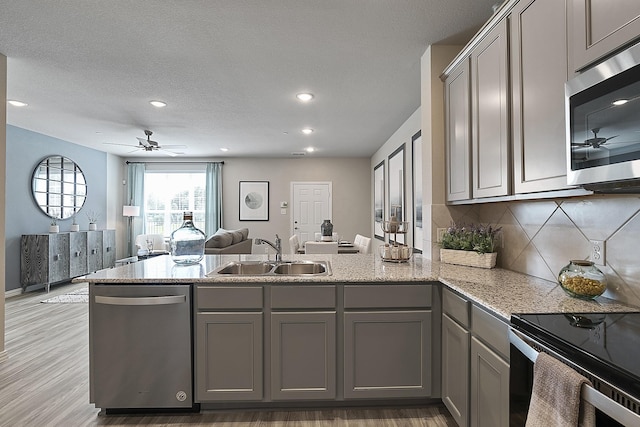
pixel 581 279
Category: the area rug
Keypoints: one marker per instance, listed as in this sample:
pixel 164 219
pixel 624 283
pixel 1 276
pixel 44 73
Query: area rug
pixel 79 295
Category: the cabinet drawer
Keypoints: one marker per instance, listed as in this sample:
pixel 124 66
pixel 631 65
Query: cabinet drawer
pixel 236 297
pixel 303 297
pixel 385 296
pixel 491 331
pixel 456 307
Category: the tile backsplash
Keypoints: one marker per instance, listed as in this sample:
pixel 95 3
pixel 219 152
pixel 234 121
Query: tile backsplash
pixel 540 237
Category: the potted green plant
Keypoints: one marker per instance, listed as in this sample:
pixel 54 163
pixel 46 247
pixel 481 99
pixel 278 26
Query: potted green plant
pixel 472 245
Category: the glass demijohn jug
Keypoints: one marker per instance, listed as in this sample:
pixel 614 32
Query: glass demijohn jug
pixel 187 242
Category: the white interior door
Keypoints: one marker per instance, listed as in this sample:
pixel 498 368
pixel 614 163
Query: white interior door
pixel 311 206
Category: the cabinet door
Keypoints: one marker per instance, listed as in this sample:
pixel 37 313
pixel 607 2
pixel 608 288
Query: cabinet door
pixel 599 27
pixel 228 357
pixel 34 259
pixel 78 253
pixel 94 250
pixel 458 133
pixel 489 387
pixel 387 354
pixel 303 355
pixel 455 370
pixel 108 248
pixel 489 115
pixel 538 65
pixel 58 257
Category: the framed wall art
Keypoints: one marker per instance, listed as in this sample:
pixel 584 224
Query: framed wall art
pixel 378 200
pixel 254 200
pixel 418 232
pixel 396 188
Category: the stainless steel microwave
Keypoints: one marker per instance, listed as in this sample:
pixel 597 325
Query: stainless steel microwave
pixel 603 125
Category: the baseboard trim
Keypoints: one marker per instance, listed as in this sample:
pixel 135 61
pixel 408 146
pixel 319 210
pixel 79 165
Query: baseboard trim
pixel 12 293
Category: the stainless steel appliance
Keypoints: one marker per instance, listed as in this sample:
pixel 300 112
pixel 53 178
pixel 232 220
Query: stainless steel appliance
pixel 140 347
pixel 603 347
pixel 603 125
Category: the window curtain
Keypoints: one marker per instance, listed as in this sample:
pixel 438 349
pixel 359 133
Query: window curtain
pixel 213 193
pixel 135 197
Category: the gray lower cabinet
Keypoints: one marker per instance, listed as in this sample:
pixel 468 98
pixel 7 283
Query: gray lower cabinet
pixel 455 370
pixel 229 356
pixel 303 355
pixel 77 254
pixel 387 354
pixel 108 248
pixel 228 344
pixel 489 387
pixel 387 341
pixel 475 364
pixel 94 247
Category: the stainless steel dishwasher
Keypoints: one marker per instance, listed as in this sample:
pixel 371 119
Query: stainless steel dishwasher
pixel 140 347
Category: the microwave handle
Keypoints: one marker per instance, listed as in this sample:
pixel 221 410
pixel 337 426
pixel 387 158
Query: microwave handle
pixel 589 394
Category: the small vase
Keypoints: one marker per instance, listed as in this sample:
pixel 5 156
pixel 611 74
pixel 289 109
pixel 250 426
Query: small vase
pixel 326 228
pixel 581 279
pixel 75 227
pixel 93 226
pixel 54 228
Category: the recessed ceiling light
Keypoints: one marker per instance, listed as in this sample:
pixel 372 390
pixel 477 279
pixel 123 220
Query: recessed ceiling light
pixel 310 149
pixel 17 103
pixel 224 149
pixel 305 97
pixel 158 104
pixel 620 102
pixel 307 131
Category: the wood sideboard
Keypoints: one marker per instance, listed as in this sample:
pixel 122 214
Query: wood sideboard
pixel 51 258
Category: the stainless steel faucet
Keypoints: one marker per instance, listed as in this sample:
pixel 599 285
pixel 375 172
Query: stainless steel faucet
pixel 277 246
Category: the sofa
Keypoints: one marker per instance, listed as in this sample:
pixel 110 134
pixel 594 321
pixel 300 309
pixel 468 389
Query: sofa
pixel 229 242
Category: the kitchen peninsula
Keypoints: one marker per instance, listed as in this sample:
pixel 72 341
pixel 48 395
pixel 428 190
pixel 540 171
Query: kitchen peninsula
pixel 370 331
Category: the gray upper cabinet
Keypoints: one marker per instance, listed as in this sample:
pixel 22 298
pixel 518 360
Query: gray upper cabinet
pixel 490 114
pixel 538 70
pixel 597 28
pixel 458 130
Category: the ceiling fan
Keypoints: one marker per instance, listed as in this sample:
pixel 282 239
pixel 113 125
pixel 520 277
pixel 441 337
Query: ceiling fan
pixel 146 144
pixel 595 142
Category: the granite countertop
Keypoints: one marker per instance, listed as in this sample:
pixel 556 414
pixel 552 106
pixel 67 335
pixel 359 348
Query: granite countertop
pixel 501 291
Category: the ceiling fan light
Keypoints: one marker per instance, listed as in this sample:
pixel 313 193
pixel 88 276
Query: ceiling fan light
pixel 158 104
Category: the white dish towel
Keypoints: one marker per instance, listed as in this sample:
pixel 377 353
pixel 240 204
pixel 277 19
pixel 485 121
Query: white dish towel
pixel 555 399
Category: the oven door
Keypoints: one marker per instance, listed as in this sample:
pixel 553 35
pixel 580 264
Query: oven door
pixel 523 355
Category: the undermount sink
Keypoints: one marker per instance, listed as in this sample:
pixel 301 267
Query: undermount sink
pixel 261 268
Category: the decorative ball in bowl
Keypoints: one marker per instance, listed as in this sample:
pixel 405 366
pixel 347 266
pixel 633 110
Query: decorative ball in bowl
pixel 581 279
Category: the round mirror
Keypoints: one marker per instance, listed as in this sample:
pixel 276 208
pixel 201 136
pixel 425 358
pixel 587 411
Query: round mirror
pixel 59 187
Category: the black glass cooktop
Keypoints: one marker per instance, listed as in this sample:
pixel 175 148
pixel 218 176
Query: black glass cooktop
pixel 606 344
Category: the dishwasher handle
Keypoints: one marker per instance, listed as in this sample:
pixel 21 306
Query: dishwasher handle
pixel 159 300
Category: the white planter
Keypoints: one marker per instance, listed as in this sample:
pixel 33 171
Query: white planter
pixel 93 227
pixel 54 228
pixel 468 258
pixel 75 227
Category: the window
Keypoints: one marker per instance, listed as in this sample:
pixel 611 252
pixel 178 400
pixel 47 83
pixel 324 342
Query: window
pixel 167 195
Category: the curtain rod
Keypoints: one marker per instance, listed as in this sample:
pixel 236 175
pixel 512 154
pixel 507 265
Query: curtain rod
pixel 203 163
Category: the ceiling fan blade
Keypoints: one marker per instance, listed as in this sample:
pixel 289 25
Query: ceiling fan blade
pixel 122 145
pixel 143 141
pixel 173 146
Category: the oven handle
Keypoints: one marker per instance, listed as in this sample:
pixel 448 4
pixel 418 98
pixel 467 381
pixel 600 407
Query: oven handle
pixel 160 300
pixel 589 394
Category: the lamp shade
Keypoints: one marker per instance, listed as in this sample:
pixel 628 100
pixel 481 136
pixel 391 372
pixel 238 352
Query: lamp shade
pixel 131 210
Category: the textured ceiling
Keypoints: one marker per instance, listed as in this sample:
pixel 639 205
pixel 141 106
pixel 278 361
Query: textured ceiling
pixel 229 70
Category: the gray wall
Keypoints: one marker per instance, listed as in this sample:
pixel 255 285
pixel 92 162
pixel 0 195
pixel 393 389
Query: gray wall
pixel 351 178
pixel 25 149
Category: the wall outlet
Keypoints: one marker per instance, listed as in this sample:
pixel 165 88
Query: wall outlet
pixel 597 252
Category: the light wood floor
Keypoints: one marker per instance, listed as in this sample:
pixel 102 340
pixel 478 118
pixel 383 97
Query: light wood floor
pixel 45 381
